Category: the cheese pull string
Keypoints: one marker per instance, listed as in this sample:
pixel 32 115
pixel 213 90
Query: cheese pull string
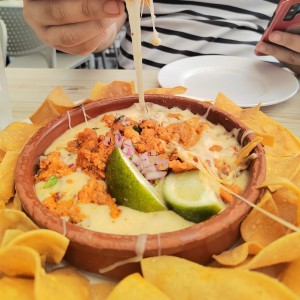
pixel 284 182
pixel 281 181
pixel 133 9
pixel 263 211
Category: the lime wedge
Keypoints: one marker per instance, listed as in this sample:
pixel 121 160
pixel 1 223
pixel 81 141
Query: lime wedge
pixel 192 196
pixel 128 186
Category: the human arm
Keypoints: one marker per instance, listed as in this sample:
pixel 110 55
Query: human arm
pixel 76 26
pixel 285 47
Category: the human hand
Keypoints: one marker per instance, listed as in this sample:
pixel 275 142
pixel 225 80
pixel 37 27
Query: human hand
pixel 75 26
pixel 285 47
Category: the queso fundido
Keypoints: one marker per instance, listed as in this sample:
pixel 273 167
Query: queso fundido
pixel 192 166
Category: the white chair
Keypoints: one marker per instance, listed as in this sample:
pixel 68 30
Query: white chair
pixel 25 49
pixel 3 40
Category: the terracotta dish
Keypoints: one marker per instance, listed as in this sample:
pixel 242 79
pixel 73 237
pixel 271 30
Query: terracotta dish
pixel 91 251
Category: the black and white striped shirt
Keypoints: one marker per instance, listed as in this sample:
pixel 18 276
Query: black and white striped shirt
pixel 191 27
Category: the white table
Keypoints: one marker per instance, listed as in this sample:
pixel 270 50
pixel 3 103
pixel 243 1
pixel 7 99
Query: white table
pixel 29 87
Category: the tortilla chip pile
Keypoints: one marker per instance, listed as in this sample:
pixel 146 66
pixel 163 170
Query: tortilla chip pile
pixel 265 265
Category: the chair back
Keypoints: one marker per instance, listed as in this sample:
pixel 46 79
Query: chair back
pixel 21 38
pixel 3 40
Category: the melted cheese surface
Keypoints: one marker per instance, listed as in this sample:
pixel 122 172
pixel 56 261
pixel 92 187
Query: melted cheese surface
pixel 131 221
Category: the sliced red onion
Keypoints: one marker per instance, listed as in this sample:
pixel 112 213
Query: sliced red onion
pixel 128 151
pixel 135 159
pixel 144 164
pixel 144 156
pixel 118 140
pixel 149 169
pixel 128 143
pixel 160 162
pixel 145 160
pixel 155 175
pixel 107 141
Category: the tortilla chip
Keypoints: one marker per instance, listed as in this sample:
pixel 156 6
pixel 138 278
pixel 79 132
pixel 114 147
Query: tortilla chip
pixel 291 276
pixel 19 261
pixel 284 143
pixel 59 100
pixel 284 249
pixel 112 90
pixel 237 255
pixel 7 172
pixel 16 288
pixel 100 291
pixel 14 219
pixel 2 154
pixel 185 280
pixel 135 287
pixel 16 135
pixel 9 235
pixel 246 150
pixel 167 91
pixel 287 167
pixel 44 113
pixel 227 104
pixel 56 103
pixel 286 204
pixel 14 203
pixel 260 229
pixel 46 242
pixel 2 204
pixel 66 283
pixel 292 187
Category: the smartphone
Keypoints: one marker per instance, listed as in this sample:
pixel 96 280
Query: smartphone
pixel 285 18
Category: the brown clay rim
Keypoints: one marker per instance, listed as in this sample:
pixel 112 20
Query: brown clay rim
pixel 28 163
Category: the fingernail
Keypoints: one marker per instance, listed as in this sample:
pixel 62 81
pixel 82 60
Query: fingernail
pixel 275 37
pixel 111 7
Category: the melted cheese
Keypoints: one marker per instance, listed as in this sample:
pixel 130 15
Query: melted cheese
pixel 71 134
pixel 130 221
pixel 69 186
pixel 134 9
pixel 140 247
pixel 156 41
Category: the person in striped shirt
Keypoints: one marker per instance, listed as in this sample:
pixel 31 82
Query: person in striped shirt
pixel 186 27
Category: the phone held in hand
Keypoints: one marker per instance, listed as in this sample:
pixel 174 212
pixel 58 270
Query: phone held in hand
pixel 285 18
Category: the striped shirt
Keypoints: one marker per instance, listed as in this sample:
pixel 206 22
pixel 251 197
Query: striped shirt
pixel 192 28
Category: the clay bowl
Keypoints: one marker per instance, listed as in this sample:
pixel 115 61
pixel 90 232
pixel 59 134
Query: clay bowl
pixel 91 251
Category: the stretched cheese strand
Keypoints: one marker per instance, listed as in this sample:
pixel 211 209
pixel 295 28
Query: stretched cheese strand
pixel 140 247
pixel 134 9
pixel 265 212
pixel 155 39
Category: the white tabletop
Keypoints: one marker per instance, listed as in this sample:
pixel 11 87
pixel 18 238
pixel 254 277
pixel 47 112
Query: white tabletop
pixel 29 87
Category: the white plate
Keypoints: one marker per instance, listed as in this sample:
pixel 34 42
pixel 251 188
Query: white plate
pixel 245 81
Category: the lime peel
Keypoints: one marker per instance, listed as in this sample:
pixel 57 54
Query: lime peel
pixel 192 196
pixel 128 186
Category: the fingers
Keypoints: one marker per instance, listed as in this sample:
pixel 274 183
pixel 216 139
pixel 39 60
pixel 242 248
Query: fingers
pixel 60 12
pixel 82 38
pixel 287 40
pixel 285 47
pixel 74 26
